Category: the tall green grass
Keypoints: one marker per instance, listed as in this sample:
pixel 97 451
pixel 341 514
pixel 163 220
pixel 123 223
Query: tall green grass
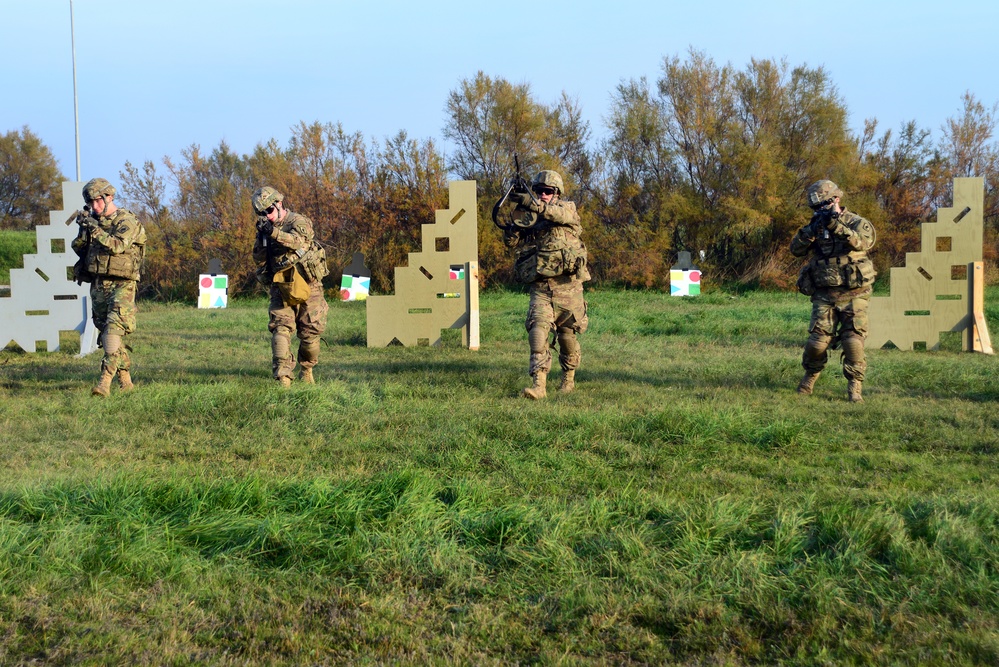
pixel 683 506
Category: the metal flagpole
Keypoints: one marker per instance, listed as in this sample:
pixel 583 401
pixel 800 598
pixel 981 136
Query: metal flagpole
pixel 76 106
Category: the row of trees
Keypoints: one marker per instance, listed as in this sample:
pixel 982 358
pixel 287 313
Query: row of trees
pixel 707 158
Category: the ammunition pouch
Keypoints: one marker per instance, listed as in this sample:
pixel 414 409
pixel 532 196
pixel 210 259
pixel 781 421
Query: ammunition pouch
pixel 805 283
pixel 844 271
pixel 526 266
pixel 314 263
pixel 123 266
pixel 555 255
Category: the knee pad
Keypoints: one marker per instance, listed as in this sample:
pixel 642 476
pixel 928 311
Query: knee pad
pixel 569 351
pixel 816 354
pixel 854 360
pixel 111 342
pixel 281 344
pixel 308 352
pixel 538 338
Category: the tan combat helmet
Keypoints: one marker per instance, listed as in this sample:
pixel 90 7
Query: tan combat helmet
pixel 96 188
pixel 264 197
pixel 821 192
pixel 550 178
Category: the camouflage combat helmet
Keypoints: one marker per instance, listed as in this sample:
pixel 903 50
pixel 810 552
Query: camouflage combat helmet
pixel 264 197
pixel 97 188
pixel 551 179
pixel 822 191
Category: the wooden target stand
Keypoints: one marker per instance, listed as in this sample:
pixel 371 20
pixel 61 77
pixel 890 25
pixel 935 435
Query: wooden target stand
pixel 978 329
pixel 942 287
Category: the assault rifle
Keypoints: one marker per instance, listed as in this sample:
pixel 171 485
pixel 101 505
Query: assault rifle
pixel 519 185
pixel 79 216
pixel 80 273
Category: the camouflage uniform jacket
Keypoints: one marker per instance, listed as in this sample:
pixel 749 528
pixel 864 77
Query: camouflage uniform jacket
pixel 114 249
pixel 550 247
pixel 285 245
pixel 839 247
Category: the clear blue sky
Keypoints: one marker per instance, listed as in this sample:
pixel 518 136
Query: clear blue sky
pixel 155 77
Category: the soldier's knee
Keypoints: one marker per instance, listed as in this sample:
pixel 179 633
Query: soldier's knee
pixel 568 340
pixel 818 339
pixel 816 346
pixel 538 338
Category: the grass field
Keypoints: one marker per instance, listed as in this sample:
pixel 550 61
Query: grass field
pixel 683 506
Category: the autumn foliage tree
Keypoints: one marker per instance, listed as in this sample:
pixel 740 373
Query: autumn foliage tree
pixel 900 167
pixel 29 180
pixel 716 160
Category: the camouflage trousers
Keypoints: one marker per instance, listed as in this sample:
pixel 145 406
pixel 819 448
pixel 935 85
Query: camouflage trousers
pixel 838 317
pixel 307 319
pixel 113 312
pixel 557 305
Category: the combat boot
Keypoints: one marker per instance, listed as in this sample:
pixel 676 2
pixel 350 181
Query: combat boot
pixel 807 383
pixel 539 390
pixel 853 391
pixel 285 381
pixel 305 375
pixel 125 380
pixel 103 387
pixel 568 382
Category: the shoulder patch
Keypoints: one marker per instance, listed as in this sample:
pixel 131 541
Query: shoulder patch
pixel 866 230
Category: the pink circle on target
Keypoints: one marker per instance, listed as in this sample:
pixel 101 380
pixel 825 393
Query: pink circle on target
pixel 206 282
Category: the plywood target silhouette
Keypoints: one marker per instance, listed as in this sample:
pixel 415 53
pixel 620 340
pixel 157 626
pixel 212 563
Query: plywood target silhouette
pixel 43 299
pixel 439 289
pixel 938 288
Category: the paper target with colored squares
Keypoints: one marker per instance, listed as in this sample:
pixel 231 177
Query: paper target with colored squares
pixel 354 288
pixel 355 283
pixel 213 291
pixel 684 278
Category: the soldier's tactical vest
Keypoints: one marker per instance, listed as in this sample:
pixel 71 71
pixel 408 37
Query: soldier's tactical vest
pixel 310 262
pixel 553 251
pixel 102 264
pixel 835 264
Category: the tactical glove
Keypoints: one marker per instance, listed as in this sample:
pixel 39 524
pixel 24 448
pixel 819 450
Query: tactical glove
pixel 264 226
pixel 520 198
pixel 815 226
pixel 831 220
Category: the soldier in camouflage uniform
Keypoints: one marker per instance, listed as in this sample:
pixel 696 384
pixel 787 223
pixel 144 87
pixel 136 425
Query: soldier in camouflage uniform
pixel 111 245
pixel 551 258
pixel 839 278
pixel 293 265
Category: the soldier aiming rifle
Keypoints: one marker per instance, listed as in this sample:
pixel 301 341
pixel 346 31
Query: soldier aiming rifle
pixel 546 234
pixel 111 244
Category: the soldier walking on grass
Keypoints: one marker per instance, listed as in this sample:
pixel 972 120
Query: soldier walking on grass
pixel 551 258
pixel 839 278
pixel 293 265
pixel 111 245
